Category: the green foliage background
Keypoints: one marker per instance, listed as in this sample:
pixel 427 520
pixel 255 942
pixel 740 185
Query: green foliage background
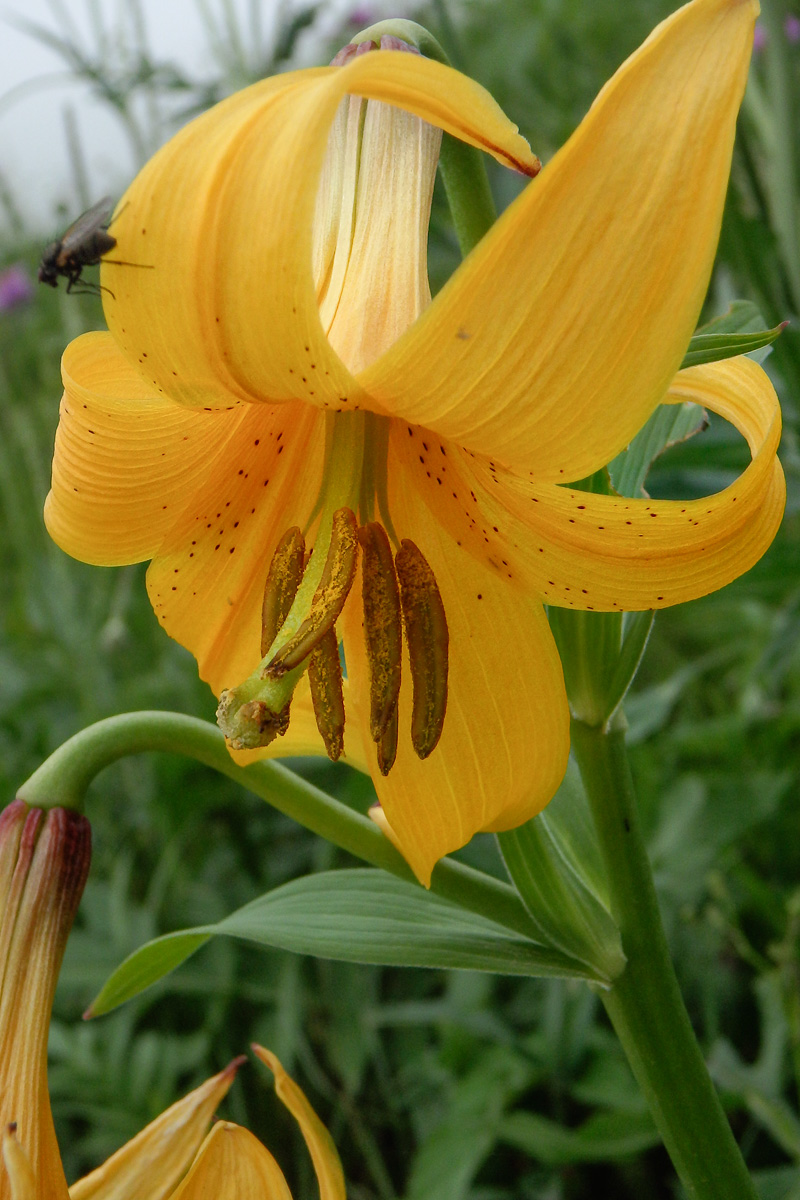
pixel 436 1086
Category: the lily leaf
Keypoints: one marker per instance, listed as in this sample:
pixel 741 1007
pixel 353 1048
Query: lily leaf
pixel 740 330
pixel 603 1137
pixel 669 424
pixel 712 347
pixel 356 915
pixel 555 864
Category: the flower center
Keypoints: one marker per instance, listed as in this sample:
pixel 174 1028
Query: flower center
pixel 305 592
pixel 370 267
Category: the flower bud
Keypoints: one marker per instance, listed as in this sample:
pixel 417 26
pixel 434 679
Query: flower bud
pixel 44 861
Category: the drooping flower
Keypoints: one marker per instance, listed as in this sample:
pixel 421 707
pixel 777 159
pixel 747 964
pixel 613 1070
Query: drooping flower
pixel 281 368
pixel 44 860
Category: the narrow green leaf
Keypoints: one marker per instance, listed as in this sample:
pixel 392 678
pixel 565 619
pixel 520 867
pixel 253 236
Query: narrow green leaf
pixel 635 633
pixel 146 966
pixel 669 424
pixel 603 1137
pixel 465 1131
pixel 357 916
pixel 549 859
pixel 738 331
pixel 713 347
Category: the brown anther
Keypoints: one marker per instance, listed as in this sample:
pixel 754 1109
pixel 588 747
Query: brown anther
pixel 283 580
pixel 383 626
pixel 329 598
pixel 428 639
pixel 387 744
pixel 327 694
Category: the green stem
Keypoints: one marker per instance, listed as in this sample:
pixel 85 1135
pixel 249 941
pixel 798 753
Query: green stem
pixel 469 196
pixel 781 147
pixel 63 779
pixel 644 1003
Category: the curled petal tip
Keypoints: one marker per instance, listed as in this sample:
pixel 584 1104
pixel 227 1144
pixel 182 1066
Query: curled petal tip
pixel 233 1066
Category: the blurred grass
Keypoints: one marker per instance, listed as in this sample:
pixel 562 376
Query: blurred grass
pixel 436 1087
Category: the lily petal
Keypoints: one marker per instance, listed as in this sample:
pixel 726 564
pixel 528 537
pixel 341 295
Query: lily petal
pixel 125 458
pixel 505 742
pixel 206 584
pixel 585 551
pixel 233 1165
pixel 153 1162
pixel 18 1167
pixel 324 1155
pixel 557 337
pixel 224 213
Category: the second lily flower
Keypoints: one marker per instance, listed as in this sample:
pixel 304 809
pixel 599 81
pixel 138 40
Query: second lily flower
pixel 282 364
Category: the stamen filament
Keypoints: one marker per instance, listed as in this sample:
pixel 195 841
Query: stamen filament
pixel 374 478
pixel 428 640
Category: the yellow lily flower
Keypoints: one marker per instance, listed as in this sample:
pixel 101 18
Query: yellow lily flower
pixel 44 860
pixel 282 361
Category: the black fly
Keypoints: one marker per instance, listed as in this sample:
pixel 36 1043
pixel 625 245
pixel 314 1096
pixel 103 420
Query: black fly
pixel 83 245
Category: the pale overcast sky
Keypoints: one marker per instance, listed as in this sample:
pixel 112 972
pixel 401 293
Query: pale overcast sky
pixel 35 159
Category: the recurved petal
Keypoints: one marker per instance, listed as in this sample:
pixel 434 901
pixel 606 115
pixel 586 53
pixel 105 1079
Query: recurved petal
pixel 125 457
pixel 233 1165
pixel 223 215
pixel 585 551
pixel 505 742
pixel 206 583
pixel 560 333
pixel 324 1155
pixel 150 1165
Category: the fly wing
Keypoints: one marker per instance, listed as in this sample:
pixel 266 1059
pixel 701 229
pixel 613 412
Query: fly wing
pixel 89 223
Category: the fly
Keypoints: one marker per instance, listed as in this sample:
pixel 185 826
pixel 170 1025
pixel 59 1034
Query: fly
pixel 84 244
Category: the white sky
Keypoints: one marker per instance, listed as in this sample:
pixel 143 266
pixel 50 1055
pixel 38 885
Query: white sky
pixel 35 158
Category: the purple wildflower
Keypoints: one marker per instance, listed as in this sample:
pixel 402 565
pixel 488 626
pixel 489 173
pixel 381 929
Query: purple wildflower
pixel 16 287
